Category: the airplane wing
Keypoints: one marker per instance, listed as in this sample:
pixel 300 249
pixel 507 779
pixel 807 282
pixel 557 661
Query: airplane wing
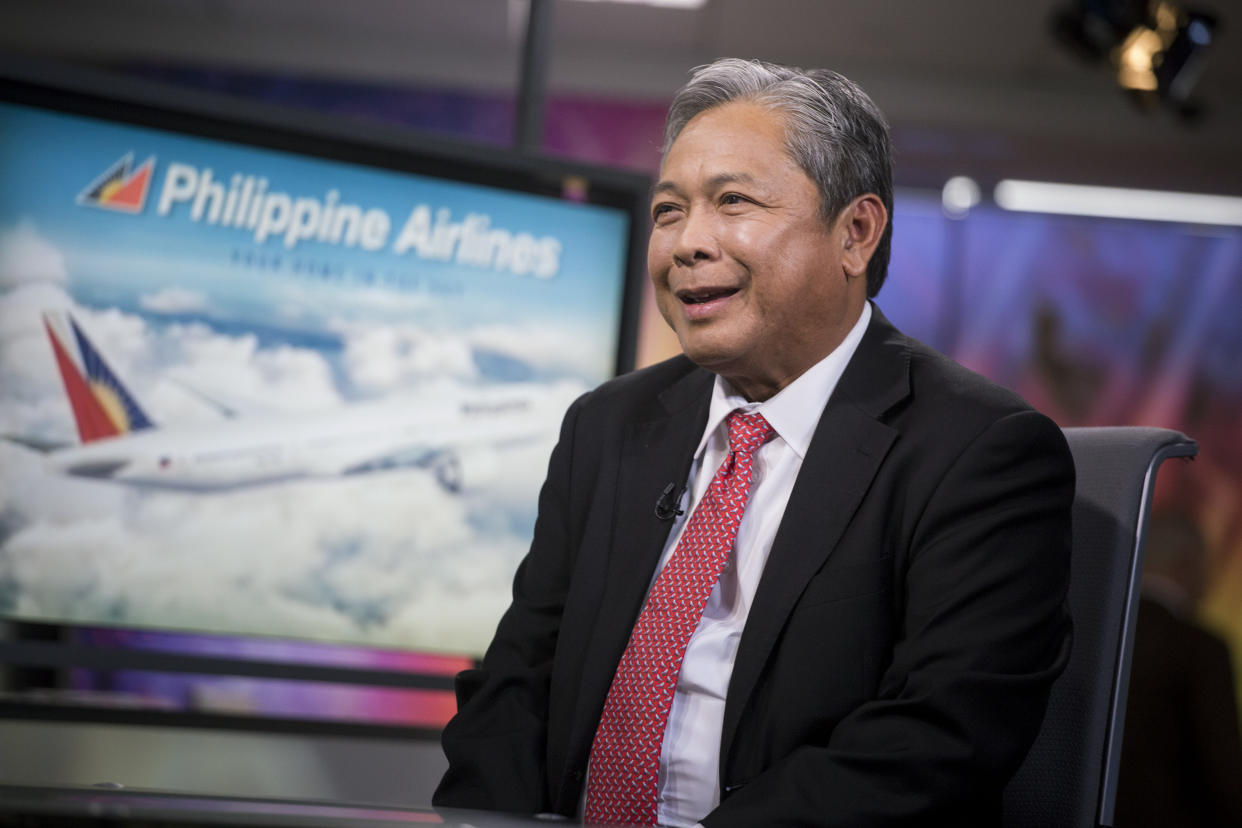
pixel 37 443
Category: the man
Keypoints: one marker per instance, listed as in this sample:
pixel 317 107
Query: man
pixel 880 626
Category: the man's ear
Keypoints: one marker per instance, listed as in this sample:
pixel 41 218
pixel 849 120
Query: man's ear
pixel 862 224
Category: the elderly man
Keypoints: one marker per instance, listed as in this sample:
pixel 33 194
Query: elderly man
pixel 847 606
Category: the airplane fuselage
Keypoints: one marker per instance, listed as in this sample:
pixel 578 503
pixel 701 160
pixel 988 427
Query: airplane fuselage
pixel 357 438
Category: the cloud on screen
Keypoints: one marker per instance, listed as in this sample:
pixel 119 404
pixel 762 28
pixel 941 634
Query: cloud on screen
pixel 26 257
pixel 392 560
pixel 174 300
pixel 388 358
pixel 560 346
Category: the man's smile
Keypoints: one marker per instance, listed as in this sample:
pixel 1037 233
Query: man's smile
pixel 699 296
pixel 704 302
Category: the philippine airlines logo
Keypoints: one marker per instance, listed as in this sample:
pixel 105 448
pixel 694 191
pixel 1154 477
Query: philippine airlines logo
pixel 120 187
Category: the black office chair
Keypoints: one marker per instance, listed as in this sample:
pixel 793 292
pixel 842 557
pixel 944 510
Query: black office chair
pixel 1069 779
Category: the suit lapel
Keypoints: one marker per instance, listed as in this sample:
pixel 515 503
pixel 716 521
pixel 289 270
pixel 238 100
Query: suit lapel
pixel 655 452
pixel 849 444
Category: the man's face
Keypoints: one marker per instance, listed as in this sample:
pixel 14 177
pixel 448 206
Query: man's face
pixel 746 271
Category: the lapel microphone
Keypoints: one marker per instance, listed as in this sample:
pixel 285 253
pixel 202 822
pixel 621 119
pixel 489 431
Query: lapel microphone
pixel 666 507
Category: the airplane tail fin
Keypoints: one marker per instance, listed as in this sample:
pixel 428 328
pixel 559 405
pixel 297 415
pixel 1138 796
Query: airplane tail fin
pixel 102 405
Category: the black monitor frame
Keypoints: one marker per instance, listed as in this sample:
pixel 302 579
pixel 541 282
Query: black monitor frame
pixel 33 653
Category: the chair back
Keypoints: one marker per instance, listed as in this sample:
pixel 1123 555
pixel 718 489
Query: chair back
pixel 1069 779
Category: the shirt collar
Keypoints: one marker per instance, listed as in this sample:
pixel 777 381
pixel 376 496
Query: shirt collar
pixel 794 411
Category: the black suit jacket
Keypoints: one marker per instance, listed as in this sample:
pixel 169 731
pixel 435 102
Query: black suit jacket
pixel 897 657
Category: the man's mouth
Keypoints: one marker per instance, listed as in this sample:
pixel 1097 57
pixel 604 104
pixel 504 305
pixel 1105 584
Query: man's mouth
pixel 704 295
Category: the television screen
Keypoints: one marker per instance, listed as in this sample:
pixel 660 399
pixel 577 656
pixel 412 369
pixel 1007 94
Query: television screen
pixel 263 380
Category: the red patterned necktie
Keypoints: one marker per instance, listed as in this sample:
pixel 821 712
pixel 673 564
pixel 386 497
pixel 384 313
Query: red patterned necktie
pixel 625 756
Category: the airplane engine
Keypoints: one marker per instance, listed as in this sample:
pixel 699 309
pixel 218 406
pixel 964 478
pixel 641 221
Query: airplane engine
pixel 469 468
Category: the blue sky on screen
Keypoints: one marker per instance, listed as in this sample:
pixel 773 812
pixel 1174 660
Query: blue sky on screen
pixel 47 159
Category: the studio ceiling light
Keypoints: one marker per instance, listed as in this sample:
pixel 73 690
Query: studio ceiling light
pixel 1156 48
pixel 1118 202
pixel 672 4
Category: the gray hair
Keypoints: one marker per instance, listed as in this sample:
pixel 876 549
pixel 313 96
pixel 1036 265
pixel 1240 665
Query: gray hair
pixel 834 132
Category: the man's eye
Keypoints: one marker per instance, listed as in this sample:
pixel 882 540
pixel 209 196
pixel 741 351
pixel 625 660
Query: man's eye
pixel 661 210
pixel 732 198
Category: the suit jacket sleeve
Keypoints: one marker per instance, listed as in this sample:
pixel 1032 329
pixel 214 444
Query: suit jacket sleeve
pixel 982 632
pixel 496 744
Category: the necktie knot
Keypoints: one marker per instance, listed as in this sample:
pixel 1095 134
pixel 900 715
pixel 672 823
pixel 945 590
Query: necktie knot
pixel 747 432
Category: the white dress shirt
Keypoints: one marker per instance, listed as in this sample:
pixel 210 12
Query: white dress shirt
pixel 689 783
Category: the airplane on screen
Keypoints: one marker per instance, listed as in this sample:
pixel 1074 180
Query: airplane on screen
pixel 455 437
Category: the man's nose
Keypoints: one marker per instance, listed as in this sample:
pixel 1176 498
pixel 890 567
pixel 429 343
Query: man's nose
pixel 697 240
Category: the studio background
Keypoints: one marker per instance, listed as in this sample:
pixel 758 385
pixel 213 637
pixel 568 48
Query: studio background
pixel 1096 321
